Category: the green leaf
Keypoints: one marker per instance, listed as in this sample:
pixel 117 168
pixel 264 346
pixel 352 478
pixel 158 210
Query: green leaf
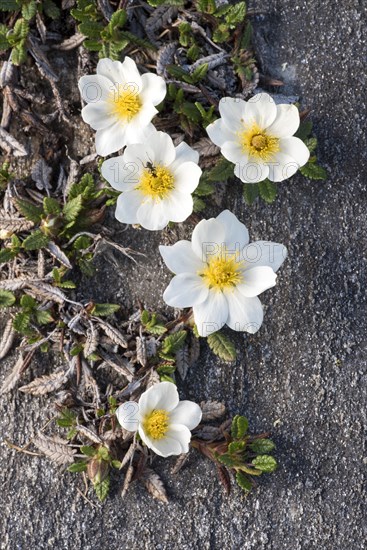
pixel 4 45
pixel 250 192
pixel 222 171
pixel 265 463
pixel 311 143
pixel 72 208
pixel 78 466
pixel 91 29
pixel 204 188
pixel 179 74
pixel 243 481
pixel 67 284
pixel 267 190
pixel 221 345
pixel 8 5
pixel 103 310
pixel 50 9
pixel 304 130
pixel 51 206
pixel 221 33
pixel 236 446
pixel 261 446
pixel 29 10
pixel 228 460
pixel 19 54
pixel 29 210
pixel 103 453
pixel 67 419
pixel 7 298
pixel 174 342
pixel 200 73
pixel 102 489
pixel 246 37
pixel 145 317
pixel 206 6
pixel 88 450
pixel 118 19
pixel 82 242
pixel 199 204
pixel 43 317
pixel 21 322
pixel 6 254
pixel 27 302
pixel 239 427
pixel 35 241
pixel 21 29
pixel 313 171
pixel 236 14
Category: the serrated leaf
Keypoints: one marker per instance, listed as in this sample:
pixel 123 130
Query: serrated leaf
pixel 35 241
pixel 50 9
pixel 8 5
pixel 304 130
pixel 103 310
pixel 72 208
pixel 102 489
pixel 7 298
pixel 265 463
pixel 88 450
pixel 51 206
pixel 222 171
pixel 43 317
pixel 313 171
pixel 91 29
pixel 262 446
pixel 221 345
pixel 243 481
pixel 77 467
pixel 200 72
pixel 27 302
pixel 29 210
pixel 6 254
pixel 21 322
pixel 267 190
pixel 236 14
pixel 173 342
pixel 239 427
pixel 250 192
pixel 154 485
pixel 29 10
pixel 45 384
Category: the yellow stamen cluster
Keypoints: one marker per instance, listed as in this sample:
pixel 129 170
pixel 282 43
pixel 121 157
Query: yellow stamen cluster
pixel 156 182
pixel 222 273
pixel 156 424
pixel 125 104
pixel 258 144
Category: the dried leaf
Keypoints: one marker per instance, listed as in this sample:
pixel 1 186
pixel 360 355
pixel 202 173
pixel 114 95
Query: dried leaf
pixel 57 253
pixel 181 460
pixel 121 369
pixel 183 361
pixel 128 455
pixel 17 371
pixel 224 477
pixel 157 20
pixel 47 292
pixel 112 333
pixel 141 351
pixel 91 342
pixel 7 338
pixel 154 485
pixel 12 223
pixel 127 480
pixel 13 284
pixel 41 174
pixel 206 147
pixel 55 448
pixel 212 410
pixel 208 433
pixel 89 434
pixel 70 43
pixel 165 57
pixel 152 379
pixel 10 144
pixel 45 384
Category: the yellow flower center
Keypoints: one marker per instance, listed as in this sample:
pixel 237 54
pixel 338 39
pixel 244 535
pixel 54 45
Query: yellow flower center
pixel 125 104
pixel 258 144
pixel 156 424
pixel 156 182
pixel 222 273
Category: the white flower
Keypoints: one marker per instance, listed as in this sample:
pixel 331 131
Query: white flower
pixel 220 274
pixel 156 180
pixel 257 135
pixel 162 421
pixel 121 103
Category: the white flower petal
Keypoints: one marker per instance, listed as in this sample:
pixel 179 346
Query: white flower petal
pixel 212 314
pixel 187 177
pixel 154 88
pixel 127 207
pixel 98 115
pixel 131 75
pixel 121 175
pixel 175 442
pixel 295 148
pixel 178 206
pixel 219 133
pixel 264 253
pixel 282 168
pixel 257 280
pixel 180 258
pixel 160 396
pixel 207 238
pixel 232 110
pixel 233 152
pixel 184 153
pixel 235 233
pixel 244 314
pixel 111 70
pixel 138 154
pixel 187 413
pixel 111 139
pixel 152 215
pixel 128 416
pixel 185 290
pixel 94 88
pixel 163 148
pixel 286 123
pixel 141 122
pixel 252 171
pixel 261 109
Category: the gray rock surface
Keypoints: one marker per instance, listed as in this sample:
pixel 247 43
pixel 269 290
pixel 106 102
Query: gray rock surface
pixel 303 375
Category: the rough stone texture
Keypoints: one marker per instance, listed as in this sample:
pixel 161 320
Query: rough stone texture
pixel 303 374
